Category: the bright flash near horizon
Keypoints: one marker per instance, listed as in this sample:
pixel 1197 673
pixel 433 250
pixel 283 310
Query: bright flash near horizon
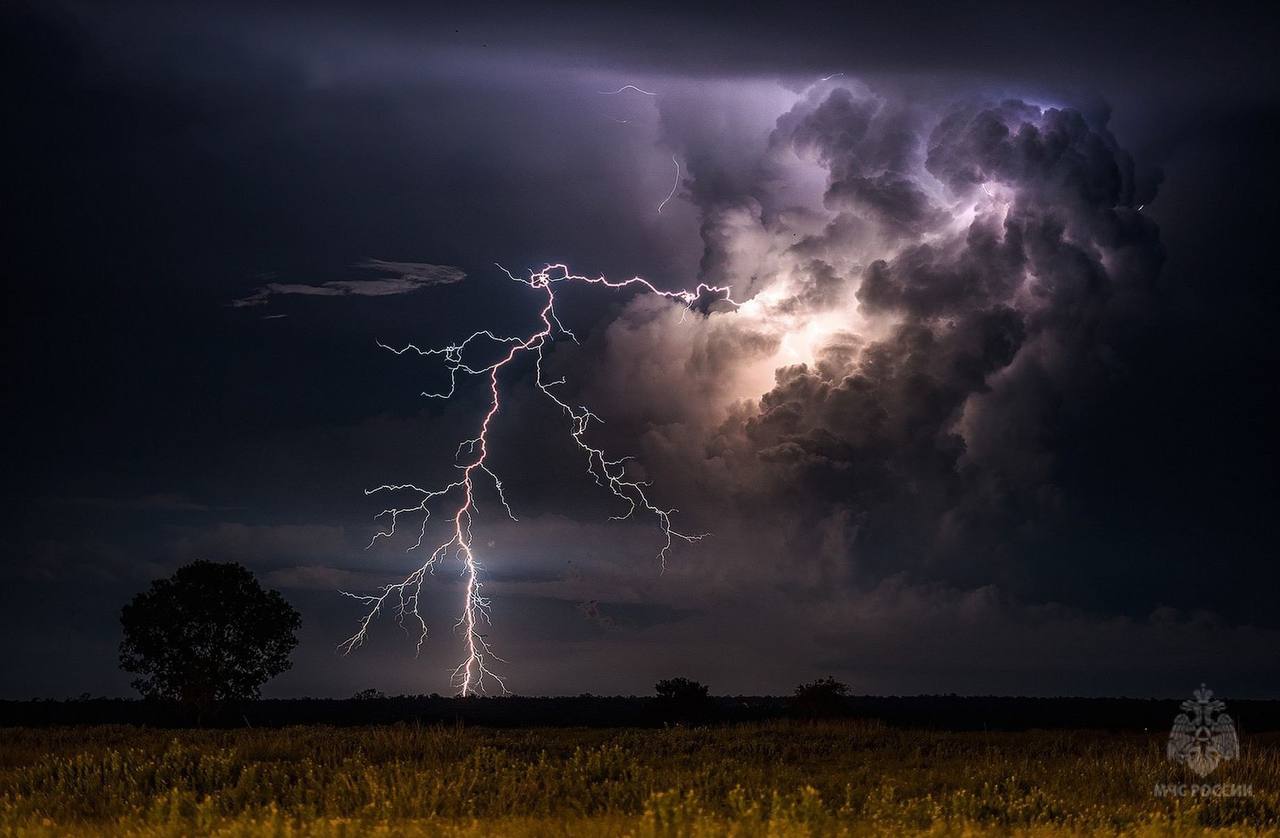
pixel 405 596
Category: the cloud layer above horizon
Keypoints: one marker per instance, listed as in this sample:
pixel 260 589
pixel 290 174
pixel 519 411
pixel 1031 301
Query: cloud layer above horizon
pixel 996 414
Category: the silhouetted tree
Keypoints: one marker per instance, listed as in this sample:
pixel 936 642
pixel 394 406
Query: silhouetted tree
pixel 823 697
pixel 206 635
pixel 370 694
pixel 683 699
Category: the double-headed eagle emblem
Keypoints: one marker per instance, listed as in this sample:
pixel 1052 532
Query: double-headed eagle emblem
pixel 1202 734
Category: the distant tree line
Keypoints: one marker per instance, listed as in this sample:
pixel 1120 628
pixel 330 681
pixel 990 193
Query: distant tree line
pixel 206 639
pixel 202 643
pixel 936 712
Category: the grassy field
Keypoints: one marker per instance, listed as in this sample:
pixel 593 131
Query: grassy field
pixel 769 779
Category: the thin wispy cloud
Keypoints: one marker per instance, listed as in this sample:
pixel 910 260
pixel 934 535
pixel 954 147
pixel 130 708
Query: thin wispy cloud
pixel 397 278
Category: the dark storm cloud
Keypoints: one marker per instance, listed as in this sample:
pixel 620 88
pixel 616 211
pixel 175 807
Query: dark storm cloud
pixel 938 438
pixel 867 145
pixel 1008 454
pixel 1017 301
pixel 928 280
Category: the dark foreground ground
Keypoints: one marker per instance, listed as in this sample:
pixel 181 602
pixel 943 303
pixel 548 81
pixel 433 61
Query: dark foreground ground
pixel 853 777
pixel 943 712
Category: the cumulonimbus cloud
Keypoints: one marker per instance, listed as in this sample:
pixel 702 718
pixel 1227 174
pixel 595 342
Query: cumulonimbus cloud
pixel 921 346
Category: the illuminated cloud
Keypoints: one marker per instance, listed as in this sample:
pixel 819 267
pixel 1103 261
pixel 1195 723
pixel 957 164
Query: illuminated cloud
pixel 895 380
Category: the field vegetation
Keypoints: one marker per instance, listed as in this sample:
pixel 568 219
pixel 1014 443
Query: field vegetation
pixel 782 778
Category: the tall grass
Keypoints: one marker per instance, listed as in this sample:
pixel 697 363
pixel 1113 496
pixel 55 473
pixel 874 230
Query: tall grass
pixel 770 779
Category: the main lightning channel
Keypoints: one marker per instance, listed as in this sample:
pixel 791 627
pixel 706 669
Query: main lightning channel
pixel 405 596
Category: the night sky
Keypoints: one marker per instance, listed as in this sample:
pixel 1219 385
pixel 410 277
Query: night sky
pixel 999 414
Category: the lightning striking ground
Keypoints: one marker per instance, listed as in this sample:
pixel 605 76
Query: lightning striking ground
pixel 469 677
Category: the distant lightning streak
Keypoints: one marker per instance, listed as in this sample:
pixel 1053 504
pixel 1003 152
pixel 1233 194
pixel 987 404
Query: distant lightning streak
pixel 674 186
pixel 832 76
pixel 623 89
pixel 469 676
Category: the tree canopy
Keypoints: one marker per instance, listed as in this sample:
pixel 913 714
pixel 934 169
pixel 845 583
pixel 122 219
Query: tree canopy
pixel 683 699
pixel 206 635
pixel 823 697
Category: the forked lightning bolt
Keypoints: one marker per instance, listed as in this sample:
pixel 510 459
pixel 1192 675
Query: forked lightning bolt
pixel 405 596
